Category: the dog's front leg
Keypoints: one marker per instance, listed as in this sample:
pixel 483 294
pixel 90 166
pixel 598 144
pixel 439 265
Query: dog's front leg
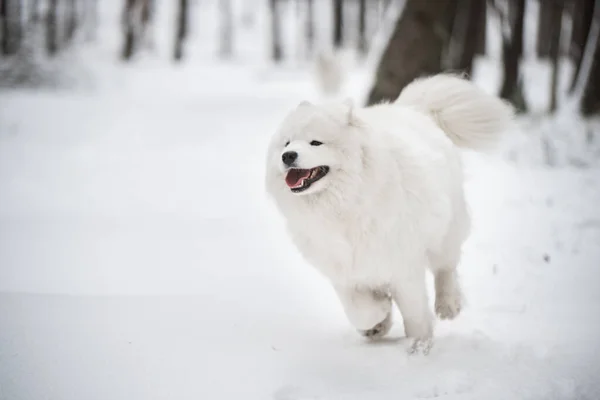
pixel 368 310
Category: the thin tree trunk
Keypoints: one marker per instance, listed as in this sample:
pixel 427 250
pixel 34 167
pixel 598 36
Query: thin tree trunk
pixel 464 39
pixel 147 17
pixel 226 48
pixel 512 50
pixel 129 43
pixel 415 48
pixel 310 25
pixel 544 32
pixel 338 23
pixel 590 101
pixel 582 23
pixel 182 29
pixel 276 50
pixel 71 20
pixel 556 8
pixel 362 26
pixel 52 28
pixel 12 29
pixel 471 39
pixel 4 46
pixel 481 27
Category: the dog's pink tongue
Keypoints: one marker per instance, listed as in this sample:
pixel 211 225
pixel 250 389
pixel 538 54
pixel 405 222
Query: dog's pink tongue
pixel 295 177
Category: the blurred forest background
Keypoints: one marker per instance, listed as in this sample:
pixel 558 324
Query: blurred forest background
pixel 140 258
pixel 428 37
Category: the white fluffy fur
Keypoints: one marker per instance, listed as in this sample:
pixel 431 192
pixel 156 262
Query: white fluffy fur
pixel 392 205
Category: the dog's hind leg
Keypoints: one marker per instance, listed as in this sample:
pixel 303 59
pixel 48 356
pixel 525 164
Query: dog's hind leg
pixel 448 295
pixel 368 310
pixel 444 263
pixel 410 294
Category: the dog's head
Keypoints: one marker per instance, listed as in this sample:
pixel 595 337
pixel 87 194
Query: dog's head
pixel 317 150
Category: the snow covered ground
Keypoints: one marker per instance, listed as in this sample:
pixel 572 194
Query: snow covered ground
pixel 141 259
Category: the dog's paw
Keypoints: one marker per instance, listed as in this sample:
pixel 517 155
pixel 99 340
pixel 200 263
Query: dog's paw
pixel 448 306
pixel 420 346
pixel 379 330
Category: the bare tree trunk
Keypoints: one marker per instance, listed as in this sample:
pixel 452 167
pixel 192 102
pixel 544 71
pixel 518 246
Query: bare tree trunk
pixel 512 50
pixel 473 33
pixel 590 101
pixel 226 48
pixel 310 25
pixel 5 45
pixel 129 43
pixel 147 20
pixel 544 32
pixel 465 34
pixel 481 27
pixel 582 23
pixel 52 28
pixel 71 20
pixel 12 27
pixel 556 8
pixel 276 49
pixel 415 48
pixel 362 26
pixel 182 29
pixel 338 23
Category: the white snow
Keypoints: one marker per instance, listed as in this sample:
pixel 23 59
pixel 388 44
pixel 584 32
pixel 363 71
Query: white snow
pixel 141 259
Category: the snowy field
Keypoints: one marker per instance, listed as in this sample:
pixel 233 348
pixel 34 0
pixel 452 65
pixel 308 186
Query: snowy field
pixel 141 259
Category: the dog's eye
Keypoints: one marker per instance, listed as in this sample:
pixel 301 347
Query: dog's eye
pixel 287 143
pixel 315 143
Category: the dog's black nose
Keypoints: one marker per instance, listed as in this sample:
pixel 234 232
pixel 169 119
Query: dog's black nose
pixel 289 157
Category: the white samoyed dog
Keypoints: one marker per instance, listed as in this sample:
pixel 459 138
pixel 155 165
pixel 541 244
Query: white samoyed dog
pixel 373 197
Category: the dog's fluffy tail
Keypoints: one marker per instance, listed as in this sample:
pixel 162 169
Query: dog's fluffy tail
pixel 470 117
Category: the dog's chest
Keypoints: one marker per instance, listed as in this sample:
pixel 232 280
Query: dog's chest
pixel 343 252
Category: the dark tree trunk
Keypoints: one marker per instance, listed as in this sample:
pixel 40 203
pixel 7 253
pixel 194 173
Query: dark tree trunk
pixel 147 12
pixel 12 28
pixel 362 26
pixel 556 8
pixel 481 27
pixel 52 28
pixel 583 11
pixel 276 49
pixel 129 42
pixel 590 102
pixel 182 29
pixel 4 46
pixel 465 35
pixel 226 49
pixel 544 31
pixel 338 23
pixel 71 20
pixel 310 25
pixel 415 48
pixel 512 50
pixel 474 32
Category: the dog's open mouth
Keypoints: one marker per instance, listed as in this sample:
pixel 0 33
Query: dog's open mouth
pixel 299 180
